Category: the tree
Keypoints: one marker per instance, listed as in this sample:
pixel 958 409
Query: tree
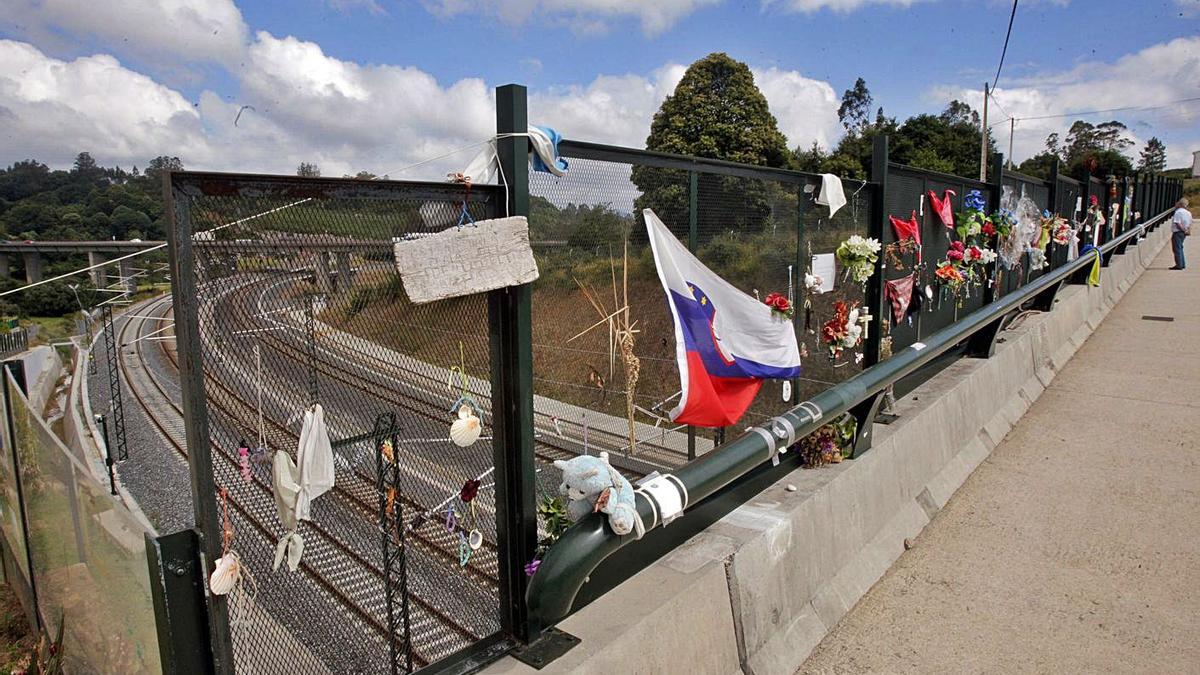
pixel 1039 165
pixel 85 165
pixel 1154 156
pixel 715 111
pixel 854 112
pixel 1111 136
pixel 1053 146
pixel 160 165
pixel 948 142
pixel 811 160
pixel 1100 163
pixel 959 113
pixel 308 170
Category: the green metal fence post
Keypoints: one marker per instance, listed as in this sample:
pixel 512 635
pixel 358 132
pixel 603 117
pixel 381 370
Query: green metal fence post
pixel 511 339
pixel 693 244
pixel 874 298
pixel 997 188
pixel 184 299
pixel 177 591
pixel 799 269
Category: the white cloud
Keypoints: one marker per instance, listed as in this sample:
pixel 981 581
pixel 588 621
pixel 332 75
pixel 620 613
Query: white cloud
pixel 833 5
pixel 183 30
pixel 805 108
pixel 346 117
pixel 1148 78
pixel 53 109
pixel 584 16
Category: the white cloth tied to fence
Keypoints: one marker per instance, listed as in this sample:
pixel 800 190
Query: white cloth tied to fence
pixel 298 483
pixel 832 194
pixel 543 156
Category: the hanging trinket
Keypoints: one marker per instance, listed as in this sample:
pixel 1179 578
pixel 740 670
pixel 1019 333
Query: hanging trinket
pixel 244 460
pixel 229 576
pixel 466 428
pixel 469 425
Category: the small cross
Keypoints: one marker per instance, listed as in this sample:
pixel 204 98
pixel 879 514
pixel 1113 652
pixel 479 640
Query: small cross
pixel 865 319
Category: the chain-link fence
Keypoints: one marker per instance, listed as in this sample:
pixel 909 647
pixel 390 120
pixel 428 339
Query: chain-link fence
pixel 756 228
pixel 299 303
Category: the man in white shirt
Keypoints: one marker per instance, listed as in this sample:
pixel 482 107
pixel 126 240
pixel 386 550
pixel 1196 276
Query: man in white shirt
pixel 1181 227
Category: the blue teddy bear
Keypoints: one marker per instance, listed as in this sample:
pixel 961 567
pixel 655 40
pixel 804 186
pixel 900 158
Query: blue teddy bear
pixel 591 484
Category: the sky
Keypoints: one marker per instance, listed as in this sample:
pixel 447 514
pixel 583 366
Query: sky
pixel 382 85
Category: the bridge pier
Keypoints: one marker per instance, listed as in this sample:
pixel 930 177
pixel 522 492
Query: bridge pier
pixel 100 274
pixel 343 271
pixel 33 267
pixel 321 269
pixel 126 271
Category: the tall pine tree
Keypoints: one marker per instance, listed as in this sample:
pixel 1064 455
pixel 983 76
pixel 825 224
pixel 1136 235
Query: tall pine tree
pixel 718 112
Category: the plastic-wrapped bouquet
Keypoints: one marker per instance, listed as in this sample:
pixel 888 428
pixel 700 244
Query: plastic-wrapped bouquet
pixel 858 256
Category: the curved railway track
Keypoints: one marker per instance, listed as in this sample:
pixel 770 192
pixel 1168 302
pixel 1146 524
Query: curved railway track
pixel 411 388
pixel 329 562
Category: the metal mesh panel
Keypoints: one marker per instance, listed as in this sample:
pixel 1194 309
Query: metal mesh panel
pixel 907 193
pixel 303 305
pixel 88 553
pixel 746 229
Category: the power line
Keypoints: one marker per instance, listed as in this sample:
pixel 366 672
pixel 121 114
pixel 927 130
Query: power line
pixel 1109 110
pixel 1007 35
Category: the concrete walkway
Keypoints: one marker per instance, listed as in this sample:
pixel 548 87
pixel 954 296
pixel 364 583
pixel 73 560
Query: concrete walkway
pixel 1075 547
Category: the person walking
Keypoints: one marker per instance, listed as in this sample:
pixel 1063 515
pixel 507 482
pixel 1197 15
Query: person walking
pixel 1181 227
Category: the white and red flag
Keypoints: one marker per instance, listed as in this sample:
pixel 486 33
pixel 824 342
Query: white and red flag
pixel 726 342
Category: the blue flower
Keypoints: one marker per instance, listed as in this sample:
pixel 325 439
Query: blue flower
pixel 974 200
pixel 1046 213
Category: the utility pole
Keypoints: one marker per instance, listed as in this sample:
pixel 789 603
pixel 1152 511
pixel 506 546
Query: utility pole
pixel 1012 127
pixel 984 138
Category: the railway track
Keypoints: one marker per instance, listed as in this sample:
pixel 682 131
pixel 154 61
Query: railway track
pixel 329 563
pixel 412 388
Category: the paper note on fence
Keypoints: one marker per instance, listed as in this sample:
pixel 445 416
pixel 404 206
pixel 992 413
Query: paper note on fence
pixel 824 265
pixel 464 260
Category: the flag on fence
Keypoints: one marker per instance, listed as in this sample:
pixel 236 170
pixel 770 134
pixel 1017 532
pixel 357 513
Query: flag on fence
pixel 726 342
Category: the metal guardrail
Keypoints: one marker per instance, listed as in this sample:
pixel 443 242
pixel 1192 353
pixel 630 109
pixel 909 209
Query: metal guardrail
pixel 567 566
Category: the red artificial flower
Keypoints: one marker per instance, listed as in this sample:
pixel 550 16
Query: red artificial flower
pixel 954 255
pixel 1093 201
pixel 947 273
pixel 957 246
pixel 989 229
pixel 778 302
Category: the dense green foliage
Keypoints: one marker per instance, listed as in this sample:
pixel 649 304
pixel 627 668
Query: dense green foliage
pixel 947 142
pixel 716 111
pixel 1096 149
pixel 87 202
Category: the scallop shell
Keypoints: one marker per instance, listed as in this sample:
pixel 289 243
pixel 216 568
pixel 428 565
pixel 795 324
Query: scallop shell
pixel 475 540
pixel 225 574
pixel 465 411
pixel 465 431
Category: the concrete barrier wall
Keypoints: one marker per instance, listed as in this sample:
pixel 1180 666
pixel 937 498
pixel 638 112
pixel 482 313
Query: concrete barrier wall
pixel 757 591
